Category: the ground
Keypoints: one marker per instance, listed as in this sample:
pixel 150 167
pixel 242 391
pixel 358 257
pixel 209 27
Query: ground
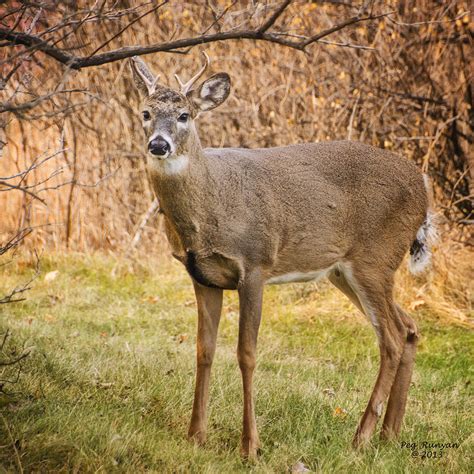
pixel 108 386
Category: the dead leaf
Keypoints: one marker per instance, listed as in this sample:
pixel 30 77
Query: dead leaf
pixel 50 318
pixel 339 413
pixel 416 304
pixel 182 338
pixel 54 299
pixel 50 276
pixel 150 299
pixel 329 392
pixel 298 468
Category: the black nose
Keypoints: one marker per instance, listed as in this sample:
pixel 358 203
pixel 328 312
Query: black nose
pixel 159 146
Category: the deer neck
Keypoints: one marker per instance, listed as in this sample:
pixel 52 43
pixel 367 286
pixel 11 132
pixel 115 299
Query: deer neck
pixel 182 184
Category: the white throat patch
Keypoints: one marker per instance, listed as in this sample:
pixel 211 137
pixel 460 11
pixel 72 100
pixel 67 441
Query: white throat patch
pixel 169 166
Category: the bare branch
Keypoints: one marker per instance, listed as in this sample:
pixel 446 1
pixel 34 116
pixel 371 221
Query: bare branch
pixel 12 107
pixel 15 240
pixel 340 26
pixel 129 25
pixel 17 187
pixel 26 39
pixel 19 290
pixel 260 34
pixel 4 363
pixel 347 45
pixel 152 209
pixel 274 17
pixel 431 22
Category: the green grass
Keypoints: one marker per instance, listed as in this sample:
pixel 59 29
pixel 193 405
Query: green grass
pixel 109 384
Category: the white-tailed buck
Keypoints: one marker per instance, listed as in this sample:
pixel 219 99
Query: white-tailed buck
pixel 239 219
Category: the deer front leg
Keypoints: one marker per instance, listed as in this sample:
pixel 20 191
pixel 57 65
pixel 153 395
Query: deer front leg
pixel 209 301
pixel 250 297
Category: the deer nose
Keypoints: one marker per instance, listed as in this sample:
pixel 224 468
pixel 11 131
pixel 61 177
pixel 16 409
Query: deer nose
pixel 159 146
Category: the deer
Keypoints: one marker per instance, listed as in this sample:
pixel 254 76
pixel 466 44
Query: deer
pixel 239 219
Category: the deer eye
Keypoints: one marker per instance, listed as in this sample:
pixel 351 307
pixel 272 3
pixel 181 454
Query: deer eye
pixel 146 115
pixel 183 118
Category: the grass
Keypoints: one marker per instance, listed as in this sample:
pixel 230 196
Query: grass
pixel 109 384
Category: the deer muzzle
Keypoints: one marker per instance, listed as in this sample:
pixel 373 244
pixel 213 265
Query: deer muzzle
pixel 159 146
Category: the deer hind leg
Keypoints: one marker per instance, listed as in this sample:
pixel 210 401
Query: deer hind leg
pixel 338 279
pixel 209 301
pixel 373 288
pixel 398 395
pixel 250 297
pixel 399 391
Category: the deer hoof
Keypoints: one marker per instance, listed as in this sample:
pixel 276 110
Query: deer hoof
pixel 388 434
pixel 250 449
pixel 360 441
pixel 197 437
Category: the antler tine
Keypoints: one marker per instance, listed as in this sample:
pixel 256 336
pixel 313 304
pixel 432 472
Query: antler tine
pixel 178 80
pixel 185 88
pixel 155 81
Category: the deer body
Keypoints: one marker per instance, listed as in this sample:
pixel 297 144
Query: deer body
pixel 298 210
pixel 242 218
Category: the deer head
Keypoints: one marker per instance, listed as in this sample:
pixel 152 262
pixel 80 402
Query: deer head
pixel 168 115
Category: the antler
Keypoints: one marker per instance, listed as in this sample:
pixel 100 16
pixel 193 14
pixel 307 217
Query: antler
pixel 185 88
pixel 155 81
pixel 149 80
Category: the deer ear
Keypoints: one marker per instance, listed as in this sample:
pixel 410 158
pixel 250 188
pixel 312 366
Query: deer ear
pixel 142 76
pixel 211 93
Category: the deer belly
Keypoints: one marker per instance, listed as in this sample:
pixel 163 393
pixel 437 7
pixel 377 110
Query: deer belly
pixel 298 277
pixel 214 271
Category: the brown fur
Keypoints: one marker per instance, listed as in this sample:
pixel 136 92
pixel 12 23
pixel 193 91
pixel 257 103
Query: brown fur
pixel 297 208
pixel 238 217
